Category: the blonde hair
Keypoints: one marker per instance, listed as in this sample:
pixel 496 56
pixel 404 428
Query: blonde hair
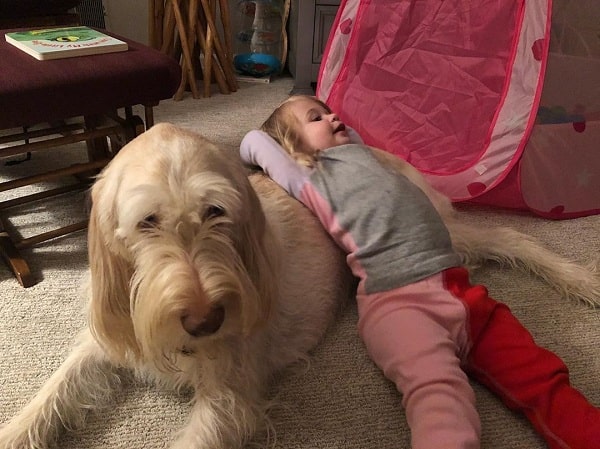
pixel 282 125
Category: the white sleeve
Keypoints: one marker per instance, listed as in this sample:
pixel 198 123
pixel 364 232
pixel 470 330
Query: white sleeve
pixel 258 148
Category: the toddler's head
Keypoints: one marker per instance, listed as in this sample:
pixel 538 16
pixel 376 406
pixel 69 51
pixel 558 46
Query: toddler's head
pixel 304 125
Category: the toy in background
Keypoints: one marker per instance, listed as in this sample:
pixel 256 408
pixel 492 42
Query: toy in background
pixel 557 114
pixel 260 37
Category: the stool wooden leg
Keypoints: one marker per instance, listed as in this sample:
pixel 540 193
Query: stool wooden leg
pixel 97 148
pixel 149 116
pixel 136 126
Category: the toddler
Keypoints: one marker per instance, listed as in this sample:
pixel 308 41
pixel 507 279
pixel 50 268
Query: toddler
pixel 421 320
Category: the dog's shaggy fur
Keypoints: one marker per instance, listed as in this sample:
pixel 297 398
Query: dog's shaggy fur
pixel 206 280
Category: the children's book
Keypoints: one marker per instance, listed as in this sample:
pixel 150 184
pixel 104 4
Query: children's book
pixel 66 42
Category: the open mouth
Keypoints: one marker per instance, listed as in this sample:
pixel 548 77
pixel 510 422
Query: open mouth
pixel 341 127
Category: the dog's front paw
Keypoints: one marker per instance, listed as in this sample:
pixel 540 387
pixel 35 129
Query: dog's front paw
pixel 199 440
pixel 225 422
pixel 15 436
pixel 205 438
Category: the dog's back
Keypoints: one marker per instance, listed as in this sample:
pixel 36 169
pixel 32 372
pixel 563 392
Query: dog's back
pixel 316 280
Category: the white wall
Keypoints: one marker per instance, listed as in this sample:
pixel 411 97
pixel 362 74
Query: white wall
pixel 128 18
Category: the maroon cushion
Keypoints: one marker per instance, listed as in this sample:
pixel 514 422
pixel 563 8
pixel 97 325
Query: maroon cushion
pixel 33 91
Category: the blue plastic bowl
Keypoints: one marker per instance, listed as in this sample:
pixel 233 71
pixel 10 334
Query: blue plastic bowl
pixel 256 64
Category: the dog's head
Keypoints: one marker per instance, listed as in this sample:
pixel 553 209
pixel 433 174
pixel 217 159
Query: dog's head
pixel 179 248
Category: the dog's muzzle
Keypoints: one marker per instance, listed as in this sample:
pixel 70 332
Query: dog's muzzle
pixel 208 325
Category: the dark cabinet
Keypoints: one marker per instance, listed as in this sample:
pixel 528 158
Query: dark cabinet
pixel 309 26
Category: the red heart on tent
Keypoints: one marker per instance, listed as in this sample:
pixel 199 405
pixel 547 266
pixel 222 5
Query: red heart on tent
pixel 538 49
pixel 346 26
pixel 475 188
pixel 579 126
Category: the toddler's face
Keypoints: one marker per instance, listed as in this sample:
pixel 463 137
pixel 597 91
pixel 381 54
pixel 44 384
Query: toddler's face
pixel 318 128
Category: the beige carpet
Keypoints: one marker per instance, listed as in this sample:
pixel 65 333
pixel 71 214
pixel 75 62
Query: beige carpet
pixel 342 401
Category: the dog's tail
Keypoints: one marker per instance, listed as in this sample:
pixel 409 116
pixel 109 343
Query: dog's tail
pixel 508 246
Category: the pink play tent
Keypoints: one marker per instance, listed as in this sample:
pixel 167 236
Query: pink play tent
pixel 496 101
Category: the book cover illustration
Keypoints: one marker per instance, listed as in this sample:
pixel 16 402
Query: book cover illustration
pixel 66 42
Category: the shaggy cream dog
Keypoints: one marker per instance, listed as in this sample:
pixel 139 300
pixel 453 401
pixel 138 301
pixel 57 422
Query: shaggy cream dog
pixel 205 280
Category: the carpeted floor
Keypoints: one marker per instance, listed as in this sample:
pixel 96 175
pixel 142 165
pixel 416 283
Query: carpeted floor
pixel 342 401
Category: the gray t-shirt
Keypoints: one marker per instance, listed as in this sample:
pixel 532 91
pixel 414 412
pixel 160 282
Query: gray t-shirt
pixel 386 224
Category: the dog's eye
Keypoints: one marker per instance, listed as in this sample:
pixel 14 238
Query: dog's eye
pixel 149 222
pixel 213 212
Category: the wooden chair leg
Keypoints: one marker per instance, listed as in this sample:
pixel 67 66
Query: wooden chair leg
pixel 149 116
pixel 104 135
pixel 97 148
pixel 13 259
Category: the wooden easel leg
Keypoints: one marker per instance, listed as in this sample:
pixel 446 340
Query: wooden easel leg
pixel 187 66
pixel 214 43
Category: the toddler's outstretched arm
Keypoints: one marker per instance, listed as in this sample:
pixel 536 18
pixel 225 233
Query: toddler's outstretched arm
pixel 258 148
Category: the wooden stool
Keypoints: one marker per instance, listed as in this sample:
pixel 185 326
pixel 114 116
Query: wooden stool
pixel 87 98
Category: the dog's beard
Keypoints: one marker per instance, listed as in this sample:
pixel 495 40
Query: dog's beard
pixel 171 282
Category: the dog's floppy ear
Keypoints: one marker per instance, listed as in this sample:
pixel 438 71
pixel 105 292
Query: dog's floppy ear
pixel 110 273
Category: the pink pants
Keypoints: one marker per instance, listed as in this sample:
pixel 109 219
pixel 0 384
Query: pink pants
pixel 424 334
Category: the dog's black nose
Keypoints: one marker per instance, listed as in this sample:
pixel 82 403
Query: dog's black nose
pixel 208 325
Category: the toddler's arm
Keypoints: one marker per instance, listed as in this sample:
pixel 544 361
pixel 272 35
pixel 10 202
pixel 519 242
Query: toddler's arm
pixel 258 148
